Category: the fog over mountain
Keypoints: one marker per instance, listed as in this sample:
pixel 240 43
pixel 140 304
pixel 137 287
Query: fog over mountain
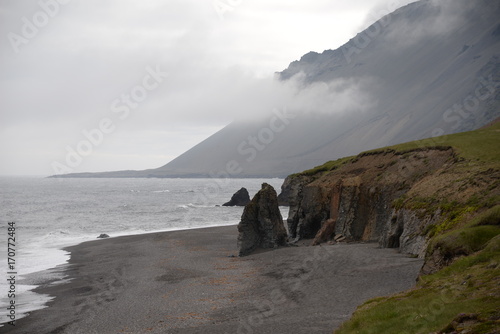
pixel 430 68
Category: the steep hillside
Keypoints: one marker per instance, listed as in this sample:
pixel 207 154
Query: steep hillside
pixel 428 69
pixel 438 199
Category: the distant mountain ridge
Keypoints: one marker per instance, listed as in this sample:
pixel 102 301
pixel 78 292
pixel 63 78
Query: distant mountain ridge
pixel 430 68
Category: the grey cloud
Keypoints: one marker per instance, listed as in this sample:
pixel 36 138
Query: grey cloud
pixel 65 78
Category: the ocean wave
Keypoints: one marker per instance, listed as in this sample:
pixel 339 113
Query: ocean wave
pixel 194 206
pixel 56 234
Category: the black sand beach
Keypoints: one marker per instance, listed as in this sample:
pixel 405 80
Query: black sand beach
pixel 189 282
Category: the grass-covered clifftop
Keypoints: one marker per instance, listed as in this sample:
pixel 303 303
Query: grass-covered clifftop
pixel 459 289
pixel 461 182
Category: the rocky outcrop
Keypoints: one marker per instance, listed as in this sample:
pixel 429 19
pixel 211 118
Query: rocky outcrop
pixel 405 230
pixel 326 232
pixel 261 224
pixel 293 193
pixel 292 187
pixel 360 200
pixel 240 198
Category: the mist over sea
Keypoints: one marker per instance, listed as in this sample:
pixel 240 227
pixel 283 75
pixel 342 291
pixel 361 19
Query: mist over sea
pixel 51 214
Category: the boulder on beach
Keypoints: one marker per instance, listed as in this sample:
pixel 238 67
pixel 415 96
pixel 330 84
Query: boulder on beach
pixel 240 198
pixel 261 224
pixel 103 236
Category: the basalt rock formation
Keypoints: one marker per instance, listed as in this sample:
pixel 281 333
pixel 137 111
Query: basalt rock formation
pixel 261 224
pixel 240 198
pixel 392 196
pixel 358 195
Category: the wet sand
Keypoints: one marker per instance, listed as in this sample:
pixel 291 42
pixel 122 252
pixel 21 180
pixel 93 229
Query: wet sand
pixel 190 282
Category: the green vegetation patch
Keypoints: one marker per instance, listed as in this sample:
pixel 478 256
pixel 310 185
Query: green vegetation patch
pixel 478 145
pixel 464 241
pixel 470 238
pixel 326 167
pixel 489 217
pixel 454 217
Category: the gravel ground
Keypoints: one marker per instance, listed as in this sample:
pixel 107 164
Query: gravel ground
pixel 191 282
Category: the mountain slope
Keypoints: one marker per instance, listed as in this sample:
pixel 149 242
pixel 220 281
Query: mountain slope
pixel 428 69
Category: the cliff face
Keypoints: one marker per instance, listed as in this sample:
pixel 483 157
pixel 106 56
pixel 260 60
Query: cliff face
pixel 364 197
pixel 402 197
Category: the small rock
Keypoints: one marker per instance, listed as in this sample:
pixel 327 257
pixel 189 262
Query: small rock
pixel 339 238
pixel 103 236
pixel 240 198
pixel 325 233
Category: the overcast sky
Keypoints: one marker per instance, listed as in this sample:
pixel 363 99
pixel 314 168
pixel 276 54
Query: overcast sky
pixel 133 84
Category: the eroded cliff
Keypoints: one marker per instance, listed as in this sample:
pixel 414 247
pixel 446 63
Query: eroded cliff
pixel 360 195
pixel 397 196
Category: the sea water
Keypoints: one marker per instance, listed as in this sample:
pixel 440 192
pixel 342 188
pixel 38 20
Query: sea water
pixel 51 214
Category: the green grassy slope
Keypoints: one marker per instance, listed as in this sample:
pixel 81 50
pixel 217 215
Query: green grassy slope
pixel 480 147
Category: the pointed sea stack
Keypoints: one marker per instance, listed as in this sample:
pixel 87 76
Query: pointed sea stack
pixel 240 198
pixel 261 224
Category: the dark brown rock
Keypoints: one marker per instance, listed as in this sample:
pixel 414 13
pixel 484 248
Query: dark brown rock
pixel 359 197
pixel 325 233
pixel 261 224
pixel 291 187
pixel 240 198
pixel 463 323
pixel 434 262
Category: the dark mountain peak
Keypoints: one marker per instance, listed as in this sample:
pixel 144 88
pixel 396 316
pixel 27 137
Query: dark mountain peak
pixel 310 57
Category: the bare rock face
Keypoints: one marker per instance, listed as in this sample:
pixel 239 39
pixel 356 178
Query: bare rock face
pixel 240 198
pixel 291 188
pixel 355 201
pixel 261 224
pixel 326 232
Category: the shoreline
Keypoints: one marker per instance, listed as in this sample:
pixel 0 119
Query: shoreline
pixel 188 281
pixel 54 274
